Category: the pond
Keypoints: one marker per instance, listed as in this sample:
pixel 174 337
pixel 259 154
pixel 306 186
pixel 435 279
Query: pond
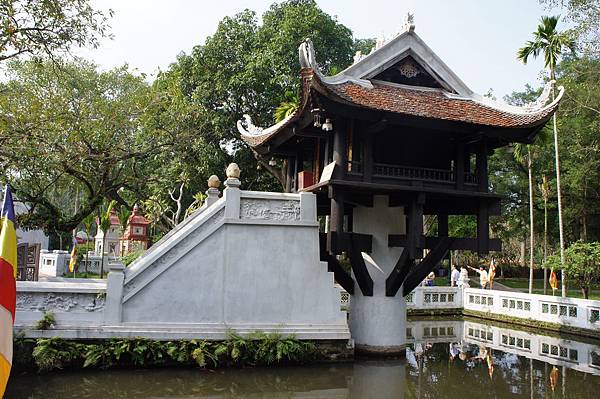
pixel 451 358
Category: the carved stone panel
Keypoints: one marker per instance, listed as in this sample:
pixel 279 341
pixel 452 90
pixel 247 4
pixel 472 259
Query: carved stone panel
pixel 263 209
pixel 58 302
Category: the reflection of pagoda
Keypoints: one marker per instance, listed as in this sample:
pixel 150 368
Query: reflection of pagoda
pixel 135 237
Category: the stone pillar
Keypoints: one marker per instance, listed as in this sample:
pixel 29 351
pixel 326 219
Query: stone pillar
pixel 212 194
pixel 232 192
pixel 308 207
pixel 378 322
pixel 113 309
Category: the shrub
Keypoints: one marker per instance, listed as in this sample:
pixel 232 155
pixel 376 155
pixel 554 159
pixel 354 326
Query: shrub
pixel 256 349
pixel 46 322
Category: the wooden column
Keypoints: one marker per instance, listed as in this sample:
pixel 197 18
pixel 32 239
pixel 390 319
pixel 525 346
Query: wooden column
pixel 368 158
pixel 482 166
pixel 336 221
pixel 326 151
pixel 299 167
pixel 415 227
pixel 459 166
pixel 289 175
pixel 442 220
pixel 339 151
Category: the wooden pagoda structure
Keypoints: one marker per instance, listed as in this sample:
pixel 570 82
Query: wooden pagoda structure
pixel 397 124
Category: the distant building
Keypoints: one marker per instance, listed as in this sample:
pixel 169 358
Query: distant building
pixel 113 237
pixel 135 237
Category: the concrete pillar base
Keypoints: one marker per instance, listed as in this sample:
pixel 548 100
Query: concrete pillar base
pixel 396 352
pixel 378 325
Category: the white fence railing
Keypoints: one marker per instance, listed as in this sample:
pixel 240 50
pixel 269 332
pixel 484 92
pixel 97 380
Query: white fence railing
pixel 573 312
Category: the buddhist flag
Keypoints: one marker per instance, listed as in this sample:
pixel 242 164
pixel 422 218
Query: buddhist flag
pixel 8 290
pixel 490 363
pixel 73 260
pixel 553 280
pixel 553 378
pixel 492 272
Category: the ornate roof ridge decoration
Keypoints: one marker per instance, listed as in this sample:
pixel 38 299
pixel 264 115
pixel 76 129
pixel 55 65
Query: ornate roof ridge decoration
pixel 308 60
pixel 534 107
pixel 252 131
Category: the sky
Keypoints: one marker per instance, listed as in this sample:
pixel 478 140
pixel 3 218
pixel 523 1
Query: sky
pixel 477 39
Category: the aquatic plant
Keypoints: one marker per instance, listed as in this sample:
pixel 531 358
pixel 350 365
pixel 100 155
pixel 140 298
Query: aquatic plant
pixel 252 350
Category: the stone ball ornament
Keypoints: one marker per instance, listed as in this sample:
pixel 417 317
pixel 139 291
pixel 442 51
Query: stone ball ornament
pixel 214 182
pixel 233 171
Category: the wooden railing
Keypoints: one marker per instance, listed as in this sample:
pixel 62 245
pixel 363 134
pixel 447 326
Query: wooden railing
pixel 408 172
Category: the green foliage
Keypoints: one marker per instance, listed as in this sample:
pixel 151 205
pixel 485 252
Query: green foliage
pixel 46 322
pixel 255 349
pixel 49 27
pixel 55 353
pixel 263 349
pixel 582 264
pixel 547 40
pixel 130 257
pixel 288 107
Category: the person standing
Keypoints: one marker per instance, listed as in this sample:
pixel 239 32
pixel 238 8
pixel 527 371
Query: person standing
pixel 483 276
pixel 463 279
pixel 454 276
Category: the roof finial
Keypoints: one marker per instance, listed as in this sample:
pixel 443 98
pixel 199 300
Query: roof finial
pixel 409 22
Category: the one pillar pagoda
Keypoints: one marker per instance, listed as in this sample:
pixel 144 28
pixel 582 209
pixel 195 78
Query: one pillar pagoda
pixel 394 137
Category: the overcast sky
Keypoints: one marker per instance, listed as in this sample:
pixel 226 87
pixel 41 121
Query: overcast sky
pixel 478 39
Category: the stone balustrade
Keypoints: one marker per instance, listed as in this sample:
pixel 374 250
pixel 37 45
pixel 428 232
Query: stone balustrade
pixel 554 350
pixel 570 312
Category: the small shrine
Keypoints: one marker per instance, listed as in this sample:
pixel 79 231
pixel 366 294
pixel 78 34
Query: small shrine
pixel 113 237
pixel 135 237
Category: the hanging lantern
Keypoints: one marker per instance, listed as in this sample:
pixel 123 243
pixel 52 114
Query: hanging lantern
pixel 328 125
pixel 316 117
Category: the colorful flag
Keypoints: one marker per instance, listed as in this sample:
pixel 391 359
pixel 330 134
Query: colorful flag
pixel 73 260
pixel 8 290
pixel 490 363
pixel 553 280
pixel 553 378
pixel 492 272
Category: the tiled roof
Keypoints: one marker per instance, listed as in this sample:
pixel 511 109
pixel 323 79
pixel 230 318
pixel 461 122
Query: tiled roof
pixel 400 99
pixel 434 104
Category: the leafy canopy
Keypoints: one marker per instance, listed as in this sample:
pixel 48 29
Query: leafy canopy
pixel 49 27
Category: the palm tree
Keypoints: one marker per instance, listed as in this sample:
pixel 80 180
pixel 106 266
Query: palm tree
pixel 88 222
pixel 287 107
pixel 545 190
pixel 550 42
pixel 104 225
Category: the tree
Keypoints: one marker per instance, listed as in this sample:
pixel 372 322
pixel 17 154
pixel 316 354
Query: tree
pixel 545 191
pixel 582 264
pixel 104 224
pixel 247 68
pixel 88 223
pixel 524 154
pixel 585 15
pixel 49 27
pixel 551 43
pixel 107 135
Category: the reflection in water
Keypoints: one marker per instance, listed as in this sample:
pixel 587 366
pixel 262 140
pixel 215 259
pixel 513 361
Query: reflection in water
pixel 445 358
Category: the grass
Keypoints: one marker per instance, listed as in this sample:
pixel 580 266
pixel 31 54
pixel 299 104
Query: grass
pixel 522 284
pixel 82 275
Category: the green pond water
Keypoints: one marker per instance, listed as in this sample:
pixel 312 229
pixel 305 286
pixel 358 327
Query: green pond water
pixel 445 359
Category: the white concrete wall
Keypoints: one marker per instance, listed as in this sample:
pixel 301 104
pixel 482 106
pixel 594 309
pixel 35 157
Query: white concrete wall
pixel 249 262
pixel 378 322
